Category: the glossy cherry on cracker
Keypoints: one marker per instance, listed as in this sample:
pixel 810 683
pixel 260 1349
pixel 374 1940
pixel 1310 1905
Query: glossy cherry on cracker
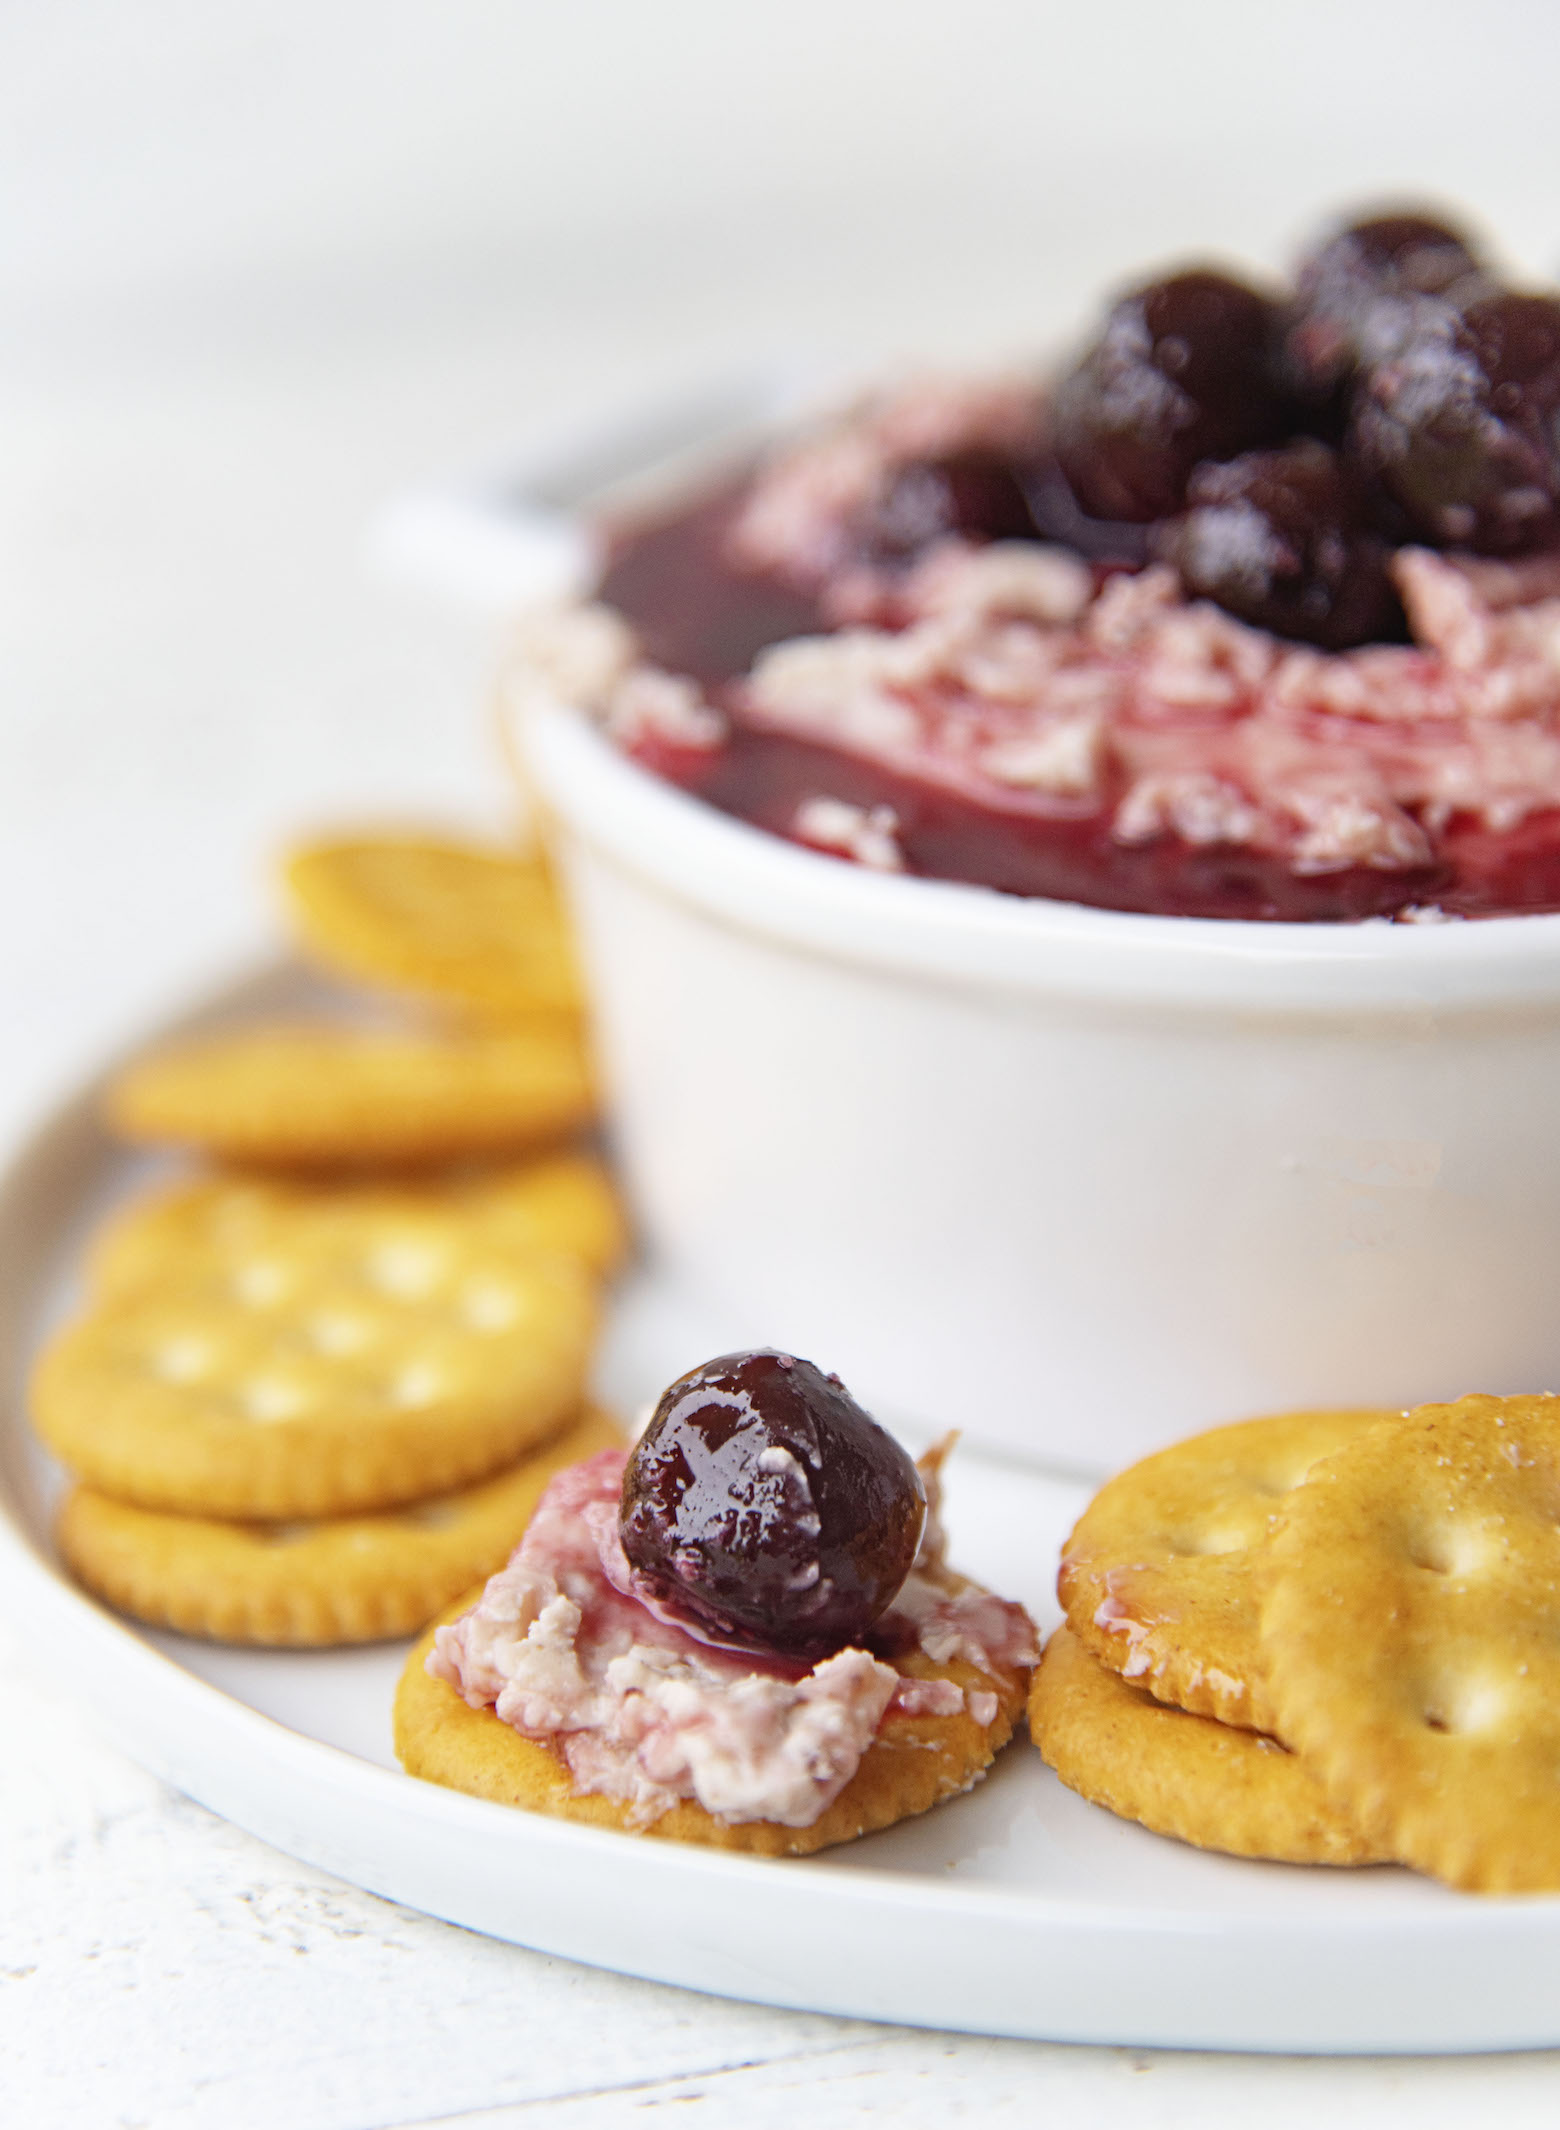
pixel 763 1506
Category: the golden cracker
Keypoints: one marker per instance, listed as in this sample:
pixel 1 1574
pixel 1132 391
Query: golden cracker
pixel 1411 1632
pixel 305 1585
pixel 1156 1577
pixel 361 1371
pixel 299 1095
pixel 562 1202
pixel 479 927
pixel 915 1762
pixel 1188 1776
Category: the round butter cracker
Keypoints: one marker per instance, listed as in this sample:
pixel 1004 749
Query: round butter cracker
pixel 478 927
pixel 369 1368
pixel 1203 1782
pixel 321 1096
pixel 1156 1579
pixel 1411 1632
pixel 562 1202
pixel 307 1585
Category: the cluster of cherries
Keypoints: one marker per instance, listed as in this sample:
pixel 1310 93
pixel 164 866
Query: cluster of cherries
pixel 762 1508
pixel 1275 451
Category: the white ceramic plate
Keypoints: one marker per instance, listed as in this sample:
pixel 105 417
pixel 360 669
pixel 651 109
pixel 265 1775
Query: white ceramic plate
pixel 1015 1910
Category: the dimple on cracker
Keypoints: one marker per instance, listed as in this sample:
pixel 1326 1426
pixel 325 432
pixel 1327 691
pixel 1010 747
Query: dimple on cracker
pixel 305 1585
pixel 1411 1634
pixel 1201 1781
pixel 323 1096
pixel 1156 1577
pixel 481 928
pixel 562 1202
pixel 367 1366
pixel 914 1762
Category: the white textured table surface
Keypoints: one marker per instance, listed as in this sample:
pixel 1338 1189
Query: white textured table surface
pixel 191 664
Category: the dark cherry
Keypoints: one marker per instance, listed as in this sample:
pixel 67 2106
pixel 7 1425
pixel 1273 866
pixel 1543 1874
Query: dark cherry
pixel 1461 424
pixel 1357 294
pixel 976 495
pixel 763 1507
pixel 1110 542
pixel 1182 372
pixel 1283 540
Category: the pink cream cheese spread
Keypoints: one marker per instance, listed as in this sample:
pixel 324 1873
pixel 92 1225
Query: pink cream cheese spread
pixel 641 1711
pixel 1011 720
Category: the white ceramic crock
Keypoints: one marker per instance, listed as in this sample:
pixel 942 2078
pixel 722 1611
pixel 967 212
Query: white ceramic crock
pixel 1074 1181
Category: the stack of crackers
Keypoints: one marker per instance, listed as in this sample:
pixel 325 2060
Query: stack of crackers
pixel 1326 1638
pixel 321 1380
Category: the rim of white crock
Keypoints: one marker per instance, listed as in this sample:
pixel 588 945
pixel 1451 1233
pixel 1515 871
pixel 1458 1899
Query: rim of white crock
pixel 974 937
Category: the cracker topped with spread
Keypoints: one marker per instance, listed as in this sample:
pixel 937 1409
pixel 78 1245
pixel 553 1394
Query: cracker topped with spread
pixel 743 1633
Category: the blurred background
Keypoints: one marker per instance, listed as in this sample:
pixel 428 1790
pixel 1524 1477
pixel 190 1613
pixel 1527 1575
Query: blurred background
pixel 263 268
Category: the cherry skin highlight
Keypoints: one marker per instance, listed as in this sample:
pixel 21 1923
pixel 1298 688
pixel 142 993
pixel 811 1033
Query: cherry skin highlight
pixel 762 1507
